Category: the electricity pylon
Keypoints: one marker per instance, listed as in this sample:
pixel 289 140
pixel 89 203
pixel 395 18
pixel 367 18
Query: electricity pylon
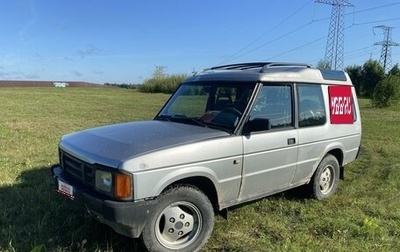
pixel 387 43
pixel 335 44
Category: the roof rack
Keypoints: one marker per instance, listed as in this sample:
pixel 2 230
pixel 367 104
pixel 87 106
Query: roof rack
pixel 254 65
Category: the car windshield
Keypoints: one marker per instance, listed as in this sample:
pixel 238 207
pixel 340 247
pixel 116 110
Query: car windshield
pixel 214 104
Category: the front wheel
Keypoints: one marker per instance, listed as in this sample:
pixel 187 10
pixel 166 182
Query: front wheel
pixel 326 178
pixel 182 221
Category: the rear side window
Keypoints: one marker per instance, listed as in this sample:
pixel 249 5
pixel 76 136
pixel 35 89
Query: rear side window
pixel 311 110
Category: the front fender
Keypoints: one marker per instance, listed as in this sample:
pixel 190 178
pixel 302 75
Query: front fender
pixel 225 178
pixel 185 173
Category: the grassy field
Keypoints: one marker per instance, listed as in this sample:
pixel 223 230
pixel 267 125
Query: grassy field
pixel 363 216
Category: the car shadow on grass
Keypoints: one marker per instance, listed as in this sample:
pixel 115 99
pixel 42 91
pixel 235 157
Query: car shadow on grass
pixel 301 194
pixel 34 217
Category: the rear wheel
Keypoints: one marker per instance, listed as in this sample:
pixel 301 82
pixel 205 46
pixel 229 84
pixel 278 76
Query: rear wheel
pixel 326 178
pixel 182 221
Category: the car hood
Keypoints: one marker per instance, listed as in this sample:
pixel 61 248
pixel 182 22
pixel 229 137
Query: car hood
pixel 110 145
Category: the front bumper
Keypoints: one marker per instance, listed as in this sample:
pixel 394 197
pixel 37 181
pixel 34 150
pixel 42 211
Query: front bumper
pixel 127 218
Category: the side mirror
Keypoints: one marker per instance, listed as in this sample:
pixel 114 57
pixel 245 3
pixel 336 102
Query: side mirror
pixel 257 124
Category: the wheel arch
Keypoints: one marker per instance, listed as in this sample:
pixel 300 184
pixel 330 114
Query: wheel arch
pixel 338 154
pixel 204 184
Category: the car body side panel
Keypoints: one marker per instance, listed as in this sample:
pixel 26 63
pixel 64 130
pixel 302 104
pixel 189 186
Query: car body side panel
pixel 269 162
pixel 316 142
pixel 311 154
pixel 219 160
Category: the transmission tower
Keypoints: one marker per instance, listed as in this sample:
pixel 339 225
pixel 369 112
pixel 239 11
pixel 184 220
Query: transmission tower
pixel 387 43
pixel 335 44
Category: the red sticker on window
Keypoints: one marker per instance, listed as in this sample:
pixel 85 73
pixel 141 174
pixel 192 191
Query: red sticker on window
pixel 341 104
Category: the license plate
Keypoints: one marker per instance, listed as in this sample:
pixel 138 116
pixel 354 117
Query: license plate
pixel 65 189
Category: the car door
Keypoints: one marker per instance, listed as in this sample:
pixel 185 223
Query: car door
pixel 270 142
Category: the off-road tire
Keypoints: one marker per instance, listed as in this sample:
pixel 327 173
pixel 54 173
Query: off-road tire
pixel 182 221
pixel 326 178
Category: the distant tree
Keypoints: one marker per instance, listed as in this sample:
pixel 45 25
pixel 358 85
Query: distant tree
pixel 372 74
pixel 159 72
pixel 395 70
pixel 162 82
pixel 387 92
pixel 123 85
pixel 355 73
pixel 323 64
pixel 366 78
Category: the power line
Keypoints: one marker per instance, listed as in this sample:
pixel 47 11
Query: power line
pixel 242 52
pixel 235 55
pixel 361 11
pixel 375 8
pixel 376 21
pixel 272 41
pixel 319 39
pixel 360 52
pixel 298 47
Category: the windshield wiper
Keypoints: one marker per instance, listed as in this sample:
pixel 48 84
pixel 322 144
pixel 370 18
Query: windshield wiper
pixel 198 122
pixel 171 117
pixel 164 117
pixel 191 120
pixel 182 119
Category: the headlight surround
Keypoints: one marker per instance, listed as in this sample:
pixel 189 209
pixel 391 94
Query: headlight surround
pixel 104 181
pixel 116 184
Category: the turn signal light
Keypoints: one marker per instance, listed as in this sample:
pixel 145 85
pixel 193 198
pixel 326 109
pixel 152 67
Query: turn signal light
pixel 123 186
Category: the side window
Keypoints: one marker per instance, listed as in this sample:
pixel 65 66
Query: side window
pixel 311 105
pixel 274 106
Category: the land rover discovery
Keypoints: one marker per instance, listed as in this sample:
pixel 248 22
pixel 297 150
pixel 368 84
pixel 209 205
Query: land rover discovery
pixel 228 135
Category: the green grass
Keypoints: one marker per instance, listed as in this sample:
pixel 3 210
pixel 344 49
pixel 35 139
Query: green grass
pixel 364 215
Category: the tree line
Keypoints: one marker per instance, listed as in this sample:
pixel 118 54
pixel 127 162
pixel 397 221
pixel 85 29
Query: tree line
pixel 123 85
pixel 161 82
pixel 370 81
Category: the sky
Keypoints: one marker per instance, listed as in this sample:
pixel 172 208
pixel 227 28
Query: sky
pixel 105 41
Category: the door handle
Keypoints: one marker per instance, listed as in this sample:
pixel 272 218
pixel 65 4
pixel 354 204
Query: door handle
pixel 291 141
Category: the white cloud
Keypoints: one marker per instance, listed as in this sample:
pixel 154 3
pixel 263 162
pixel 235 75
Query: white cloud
pixel 98 71
pixel 90 50
pixel 76 73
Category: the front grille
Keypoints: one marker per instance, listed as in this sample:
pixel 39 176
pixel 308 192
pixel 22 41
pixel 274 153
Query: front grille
pixel 77 169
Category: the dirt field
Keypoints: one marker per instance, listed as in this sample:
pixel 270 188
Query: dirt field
pixel 10 83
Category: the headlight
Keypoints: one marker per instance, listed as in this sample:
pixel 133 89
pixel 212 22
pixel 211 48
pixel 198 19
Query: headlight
pixel 104 180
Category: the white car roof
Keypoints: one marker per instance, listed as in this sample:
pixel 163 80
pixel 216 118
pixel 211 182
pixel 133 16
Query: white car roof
pixel 272 72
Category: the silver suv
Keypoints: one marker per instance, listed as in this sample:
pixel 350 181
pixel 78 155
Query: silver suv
pixel 228 135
